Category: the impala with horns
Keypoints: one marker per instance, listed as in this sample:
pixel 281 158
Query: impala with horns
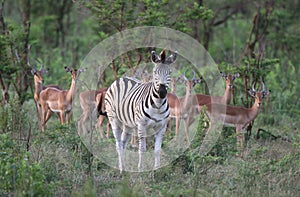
pixel 204 99
pixel 39 86
pixel 61 101
pixel 238 117
pixel 188 103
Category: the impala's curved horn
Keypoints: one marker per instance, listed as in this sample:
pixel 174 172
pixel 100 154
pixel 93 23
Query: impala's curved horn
pixel 263 86
pixel 253 85
pixel 34 67
pixel 194 77
pixel 184 76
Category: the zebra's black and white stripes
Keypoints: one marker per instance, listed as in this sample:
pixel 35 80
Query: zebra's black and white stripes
pixel 131 104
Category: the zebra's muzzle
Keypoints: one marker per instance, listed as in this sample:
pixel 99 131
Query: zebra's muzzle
pixel 162 91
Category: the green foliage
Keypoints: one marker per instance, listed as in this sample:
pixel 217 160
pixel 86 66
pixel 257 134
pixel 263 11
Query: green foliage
pixel 19 175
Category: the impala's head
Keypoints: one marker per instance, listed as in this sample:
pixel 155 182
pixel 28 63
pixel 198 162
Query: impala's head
pixel 230 79
pixel 38 74
pixel 162 71
pixel 190 84
pixel 259 95
pixel 75 73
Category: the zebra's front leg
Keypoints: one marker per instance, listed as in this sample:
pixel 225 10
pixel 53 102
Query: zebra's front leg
pixel 117 131
pixel 142 145
pixel 158 142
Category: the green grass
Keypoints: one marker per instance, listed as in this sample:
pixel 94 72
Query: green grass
pixel 57 163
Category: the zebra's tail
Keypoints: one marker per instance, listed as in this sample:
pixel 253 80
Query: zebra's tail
pixel 99 107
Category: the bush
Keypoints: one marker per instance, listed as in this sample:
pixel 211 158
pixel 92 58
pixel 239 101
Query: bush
pixel 18 174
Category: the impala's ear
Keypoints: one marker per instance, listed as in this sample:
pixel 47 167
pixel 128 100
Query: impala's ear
pixel 82 70
pixel 154 57
pixel 33 71
pixel 45 71
pixel 236 75
pixel 198 80
pixel 252 92
pixel 223 75
pixel 172 58
pixel 266 93
pixel 67 69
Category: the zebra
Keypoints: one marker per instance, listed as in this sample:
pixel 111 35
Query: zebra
pixel 131 104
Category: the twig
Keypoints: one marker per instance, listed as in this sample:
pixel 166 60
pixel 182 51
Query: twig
pixel 272 135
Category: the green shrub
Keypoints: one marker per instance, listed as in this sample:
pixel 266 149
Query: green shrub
pixel 18 174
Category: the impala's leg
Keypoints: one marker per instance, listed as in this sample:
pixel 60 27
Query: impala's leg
pixel 81 122
pixel 142 145
pixel 99 124
pixel 44 115
pixel 240 140
pixel 62 117
pixel 177 124
pixel 39 111
pixel 107 129
pixel 186 129
pixel 48 116
pixel 169 127
pixel 68 116
pixel 157 147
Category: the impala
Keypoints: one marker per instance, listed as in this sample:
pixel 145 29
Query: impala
pixel 188 103
pixel 61 101
pixel 38 83
pixel 174 105
pixel 204 99
pixel 238 117
pixel 88 103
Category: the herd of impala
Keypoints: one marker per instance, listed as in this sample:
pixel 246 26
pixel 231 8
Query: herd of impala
pixel 52 98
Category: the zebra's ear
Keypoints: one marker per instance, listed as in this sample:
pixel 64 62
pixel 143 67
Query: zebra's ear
pixel 163 56
pixel 154 57
pixel 172 58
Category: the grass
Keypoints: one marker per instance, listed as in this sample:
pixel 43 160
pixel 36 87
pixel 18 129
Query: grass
pixel 271 167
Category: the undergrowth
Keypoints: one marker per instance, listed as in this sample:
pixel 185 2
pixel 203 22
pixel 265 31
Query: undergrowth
pixel 57 163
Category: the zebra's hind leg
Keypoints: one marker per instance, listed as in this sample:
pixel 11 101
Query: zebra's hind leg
pixel 117 131
pixel 142 146
pixel 126 136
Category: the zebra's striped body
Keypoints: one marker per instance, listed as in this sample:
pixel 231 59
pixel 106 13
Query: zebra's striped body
pixel 131 104
pixel 140 103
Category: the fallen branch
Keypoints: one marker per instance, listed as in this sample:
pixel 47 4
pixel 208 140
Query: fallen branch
pixel 272 135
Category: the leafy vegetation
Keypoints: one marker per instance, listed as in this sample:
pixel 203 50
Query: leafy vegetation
pixel 260 40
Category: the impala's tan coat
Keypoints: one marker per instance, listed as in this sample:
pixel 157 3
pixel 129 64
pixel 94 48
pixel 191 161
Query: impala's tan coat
pixel 61 101
pixel 238 117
